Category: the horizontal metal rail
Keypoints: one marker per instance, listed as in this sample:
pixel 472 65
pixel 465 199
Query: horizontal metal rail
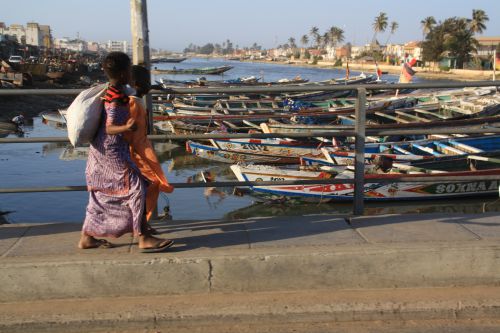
pixel 421 179
pixel 272 89
pixel 339 133
pixel 326 87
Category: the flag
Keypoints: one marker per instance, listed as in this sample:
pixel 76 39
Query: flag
pixel 347 71
pixel 378 71
pixel 407 71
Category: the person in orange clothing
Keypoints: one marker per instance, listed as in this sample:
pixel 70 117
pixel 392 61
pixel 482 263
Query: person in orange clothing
pixel 141 149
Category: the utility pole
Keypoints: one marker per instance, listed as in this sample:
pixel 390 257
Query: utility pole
pixel 140 46
pixel 140 53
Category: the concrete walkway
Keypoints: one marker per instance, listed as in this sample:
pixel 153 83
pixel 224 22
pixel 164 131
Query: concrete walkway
pixel 280 254
pixel 265 254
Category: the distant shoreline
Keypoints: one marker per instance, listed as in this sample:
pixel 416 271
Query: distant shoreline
pixel 427 73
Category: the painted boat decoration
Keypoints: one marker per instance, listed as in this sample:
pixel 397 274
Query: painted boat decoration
pixel 373 191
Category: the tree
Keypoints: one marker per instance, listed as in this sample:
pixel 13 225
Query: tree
pixel 479 18
pixel 291 41
pixel 304 40
pixel 427 24
pixel 379 25
pixel 394 27
pixel 314 33
pixel 335 35
pixel 454 37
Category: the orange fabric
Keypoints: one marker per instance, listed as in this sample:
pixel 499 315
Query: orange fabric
pixel 143 155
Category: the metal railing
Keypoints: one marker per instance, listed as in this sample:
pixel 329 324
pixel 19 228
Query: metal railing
pixel 359 132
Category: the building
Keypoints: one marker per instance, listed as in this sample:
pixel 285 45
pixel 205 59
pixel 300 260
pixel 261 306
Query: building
pixel 34 34
pixel 119 46
pixel 487 45
pixel 413 50
pixel 93 47
pixel 16 30
pixel 76 45
pixel 46 36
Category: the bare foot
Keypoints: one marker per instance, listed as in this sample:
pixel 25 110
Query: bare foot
pixel 89 242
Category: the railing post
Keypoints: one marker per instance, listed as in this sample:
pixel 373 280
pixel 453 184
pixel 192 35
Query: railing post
pixel 359 161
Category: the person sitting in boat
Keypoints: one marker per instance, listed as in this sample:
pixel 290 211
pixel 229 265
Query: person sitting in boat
pixel 382 164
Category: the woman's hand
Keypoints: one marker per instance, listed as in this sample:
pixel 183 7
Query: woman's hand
pixel 131 125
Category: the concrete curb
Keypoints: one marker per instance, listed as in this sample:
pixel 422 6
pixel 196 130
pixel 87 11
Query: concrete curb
pixel 240 309
pixel 340 267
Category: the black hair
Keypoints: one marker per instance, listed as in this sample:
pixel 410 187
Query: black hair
pixel 141 78
pixel 115 64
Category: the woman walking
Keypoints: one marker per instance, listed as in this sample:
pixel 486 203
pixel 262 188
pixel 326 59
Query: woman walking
pixel 117 189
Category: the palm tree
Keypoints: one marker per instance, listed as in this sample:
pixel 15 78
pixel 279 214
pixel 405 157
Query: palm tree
pixel 314 33
pixel 335 35
pixel 304 40
pixel 394 27
pixel 427 24
pixel 291 41
pixel 479 18
pixel 380 24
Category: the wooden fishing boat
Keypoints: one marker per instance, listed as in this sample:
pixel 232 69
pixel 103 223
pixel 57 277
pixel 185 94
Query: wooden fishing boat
pixel 215 154
pixel 281 147
pixel 167 59
pixel 373 191
pixel 195 71
pixel 447 153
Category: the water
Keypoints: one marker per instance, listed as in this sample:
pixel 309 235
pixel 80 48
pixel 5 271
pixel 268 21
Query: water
pixel 40 165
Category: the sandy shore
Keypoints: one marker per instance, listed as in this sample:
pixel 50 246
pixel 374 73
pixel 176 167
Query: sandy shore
pixel 454 74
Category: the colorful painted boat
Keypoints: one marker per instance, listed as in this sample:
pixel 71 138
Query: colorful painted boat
pixel 373 191
pixel 215 154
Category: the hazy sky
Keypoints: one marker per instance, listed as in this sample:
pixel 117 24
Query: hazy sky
pixel 175 24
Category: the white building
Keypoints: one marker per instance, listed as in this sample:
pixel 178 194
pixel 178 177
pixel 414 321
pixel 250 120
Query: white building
pixel 70 44
pixel 16 30
pixel 119 46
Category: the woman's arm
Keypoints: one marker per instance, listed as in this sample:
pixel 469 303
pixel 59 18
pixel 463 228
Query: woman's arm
pixel 117 129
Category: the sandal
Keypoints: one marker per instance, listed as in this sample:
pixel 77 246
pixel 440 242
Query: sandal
pixel 162 246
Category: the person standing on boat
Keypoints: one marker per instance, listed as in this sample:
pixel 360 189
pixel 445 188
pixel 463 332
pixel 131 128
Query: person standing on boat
pixel 116 187
pixel 141 149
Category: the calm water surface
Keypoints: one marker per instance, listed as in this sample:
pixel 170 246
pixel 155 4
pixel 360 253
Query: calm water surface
pixel 45 164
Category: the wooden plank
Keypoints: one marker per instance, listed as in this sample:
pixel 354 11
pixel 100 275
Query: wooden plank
pixel 401 150
pixel 446 149
pixel 426 149
pixel 484 158
pixel 433 114
pixel 465 147
pixel 425 120
pixel 398 120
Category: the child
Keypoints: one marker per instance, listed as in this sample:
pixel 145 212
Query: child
pixel 117 189
pixel 141 149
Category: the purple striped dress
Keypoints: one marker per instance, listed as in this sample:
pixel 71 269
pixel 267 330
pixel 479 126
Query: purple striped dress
pixel 117 190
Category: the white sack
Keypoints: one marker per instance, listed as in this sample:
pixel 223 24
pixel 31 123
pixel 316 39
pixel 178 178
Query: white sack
pixel 84 114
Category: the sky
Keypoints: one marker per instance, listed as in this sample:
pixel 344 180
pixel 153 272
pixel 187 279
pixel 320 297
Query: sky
pixel 175 24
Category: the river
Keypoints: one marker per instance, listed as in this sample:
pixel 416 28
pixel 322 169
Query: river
pixel 41 165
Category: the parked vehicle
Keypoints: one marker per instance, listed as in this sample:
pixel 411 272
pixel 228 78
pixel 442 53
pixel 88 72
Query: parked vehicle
pixel 15 59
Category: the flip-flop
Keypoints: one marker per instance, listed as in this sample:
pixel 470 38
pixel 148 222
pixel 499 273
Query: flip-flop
pixel 160 248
